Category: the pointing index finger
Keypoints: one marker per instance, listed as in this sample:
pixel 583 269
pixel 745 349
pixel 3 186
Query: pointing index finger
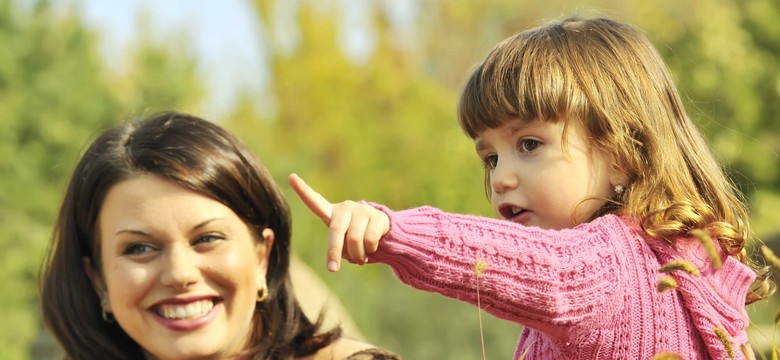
pixel 317 203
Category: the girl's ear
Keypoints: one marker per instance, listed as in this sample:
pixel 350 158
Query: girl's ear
pixel 98 284
pixel 263 252
pixel 616 178
pixel 617 175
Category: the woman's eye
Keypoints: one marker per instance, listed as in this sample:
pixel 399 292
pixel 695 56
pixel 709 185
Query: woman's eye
pixel 528 145
pixel 208 239
pixel 138 249
pixel 490 161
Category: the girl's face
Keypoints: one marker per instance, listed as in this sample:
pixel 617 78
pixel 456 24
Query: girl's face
pixel 180 271
pixel 535 183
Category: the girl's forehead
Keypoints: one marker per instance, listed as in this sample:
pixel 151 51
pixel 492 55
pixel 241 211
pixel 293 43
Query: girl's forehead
pixel 518 124
pixel 570 129
pixel 509 128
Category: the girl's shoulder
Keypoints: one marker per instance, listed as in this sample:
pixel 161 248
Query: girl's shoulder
pixel 611 223
pixel 613 219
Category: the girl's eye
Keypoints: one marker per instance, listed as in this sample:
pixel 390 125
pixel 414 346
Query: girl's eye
pixel 138 249
pixel 528 145
pixel 490 161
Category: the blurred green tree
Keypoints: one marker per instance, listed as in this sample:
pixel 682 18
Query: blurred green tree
pixel 51 95
pixel 55 94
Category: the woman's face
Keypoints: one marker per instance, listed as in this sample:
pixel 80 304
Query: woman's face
pixel 180 271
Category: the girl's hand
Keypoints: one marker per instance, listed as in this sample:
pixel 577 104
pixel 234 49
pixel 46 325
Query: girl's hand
pixel 354 229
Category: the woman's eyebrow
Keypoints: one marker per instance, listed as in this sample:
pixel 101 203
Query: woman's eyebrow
pixel 144 233
pixel 206 222
pixel 132 231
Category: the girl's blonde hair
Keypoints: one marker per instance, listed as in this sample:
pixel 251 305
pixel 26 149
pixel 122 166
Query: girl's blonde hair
pixel 608 78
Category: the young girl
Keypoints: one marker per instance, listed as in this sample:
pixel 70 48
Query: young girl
pixel 618 235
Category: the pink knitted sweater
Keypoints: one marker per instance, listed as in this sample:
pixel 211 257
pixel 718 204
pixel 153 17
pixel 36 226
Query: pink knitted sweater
pixel 583 293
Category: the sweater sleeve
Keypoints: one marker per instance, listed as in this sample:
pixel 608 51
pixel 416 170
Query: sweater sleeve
pixel 539 278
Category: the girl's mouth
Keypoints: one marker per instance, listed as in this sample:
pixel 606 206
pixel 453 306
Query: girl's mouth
pixel 510 211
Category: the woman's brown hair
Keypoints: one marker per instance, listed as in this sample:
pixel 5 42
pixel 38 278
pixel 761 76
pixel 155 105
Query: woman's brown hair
pixel 202 157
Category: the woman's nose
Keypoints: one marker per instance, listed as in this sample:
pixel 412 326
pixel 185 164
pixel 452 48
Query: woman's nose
pixel 503 177
pixel 181 268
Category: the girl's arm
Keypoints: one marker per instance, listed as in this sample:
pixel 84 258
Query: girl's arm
pixel 538 278
pixel 354 229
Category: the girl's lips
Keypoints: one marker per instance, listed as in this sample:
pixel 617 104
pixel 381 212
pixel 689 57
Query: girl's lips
pixel 514 213
pixel 521 218
pixel 509 211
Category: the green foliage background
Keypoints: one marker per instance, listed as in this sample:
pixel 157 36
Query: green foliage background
pixel 381 128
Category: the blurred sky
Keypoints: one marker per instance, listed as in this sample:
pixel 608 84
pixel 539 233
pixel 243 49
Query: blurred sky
pixel 224 35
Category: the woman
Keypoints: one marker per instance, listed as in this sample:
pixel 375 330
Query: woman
pixel 173 242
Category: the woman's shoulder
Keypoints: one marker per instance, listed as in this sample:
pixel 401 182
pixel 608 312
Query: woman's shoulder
pixel 349 349
pixel 373 354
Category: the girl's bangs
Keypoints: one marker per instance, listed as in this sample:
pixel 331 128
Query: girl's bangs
pixel 522 79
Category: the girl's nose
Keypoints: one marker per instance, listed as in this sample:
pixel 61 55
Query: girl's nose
pixel 181 268
pixel 503 177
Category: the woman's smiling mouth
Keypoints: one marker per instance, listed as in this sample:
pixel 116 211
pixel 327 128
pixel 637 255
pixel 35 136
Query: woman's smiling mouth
pixel 190 315
pixel 185 311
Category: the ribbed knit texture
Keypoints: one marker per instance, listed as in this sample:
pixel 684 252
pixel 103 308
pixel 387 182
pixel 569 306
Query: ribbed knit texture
pixel 583 293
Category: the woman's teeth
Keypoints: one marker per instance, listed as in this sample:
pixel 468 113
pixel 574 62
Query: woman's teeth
pixel 188 311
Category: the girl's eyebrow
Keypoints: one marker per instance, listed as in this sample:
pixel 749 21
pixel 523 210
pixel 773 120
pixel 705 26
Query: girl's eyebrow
pixel 514 126
pixel 479 145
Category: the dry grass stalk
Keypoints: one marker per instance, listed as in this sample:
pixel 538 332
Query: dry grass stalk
pixel 479 267
pixel 667 356
pixel 666 283
pixel 770 257
pixel 683 265
pixel 709 246
pixel 725 340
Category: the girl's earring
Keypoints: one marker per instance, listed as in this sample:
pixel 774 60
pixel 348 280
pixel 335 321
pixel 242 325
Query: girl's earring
pixel 619 189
